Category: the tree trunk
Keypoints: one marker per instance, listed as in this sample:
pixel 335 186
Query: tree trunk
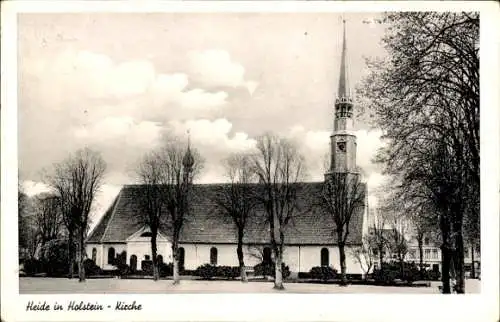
pixel 154 251
pixel 421 254
pixel 381 257
pixel 241 261
pixel 343 276
pixel 81 267
pixel 175 256
pixel 445 263
pixel 71 257
pixel 458 258
pixel 278 279
pixel 473 268
pixel 402 267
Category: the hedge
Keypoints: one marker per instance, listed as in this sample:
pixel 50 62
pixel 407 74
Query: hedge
pixel 208 271
pixel 323 273
pixel 268 269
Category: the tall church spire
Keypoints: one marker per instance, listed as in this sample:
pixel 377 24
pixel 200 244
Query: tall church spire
pixel 344 90
pixel 343 140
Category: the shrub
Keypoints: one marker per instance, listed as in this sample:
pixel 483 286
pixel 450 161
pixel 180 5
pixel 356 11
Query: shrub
pixel 54 256
pixel 33 266
pixel 430 275
pixel 268 269
pixel 434 275
pixel 264 269
pixel 230 272
pixel 122 269
pixel 147 267
pixel 392 271
pixel 166 269
pixel 323 273
pixel 91 268
pixel 208 271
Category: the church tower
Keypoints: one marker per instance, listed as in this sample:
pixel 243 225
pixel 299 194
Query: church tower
pixel 343 140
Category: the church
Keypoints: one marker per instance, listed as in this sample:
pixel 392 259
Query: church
pixel 208 236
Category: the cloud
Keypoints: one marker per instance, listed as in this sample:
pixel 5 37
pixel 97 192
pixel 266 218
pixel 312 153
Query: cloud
pixel 123 128
pixel 33 188
pixel 215 134
pixel 214 67
pixel 87 75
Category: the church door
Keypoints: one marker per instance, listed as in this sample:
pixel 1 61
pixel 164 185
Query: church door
pixel 133 263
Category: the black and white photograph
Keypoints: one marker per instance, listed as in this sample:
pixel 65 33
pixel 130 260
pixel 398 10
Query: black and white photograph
pixel 273 152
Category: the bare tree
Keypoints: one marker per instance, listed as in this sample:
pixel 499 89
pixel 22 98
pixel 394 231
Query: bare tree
pixel 342 197
pixel 398 243
pixel 181 167
pixel 279 166
pixel 377 236
pixel 75 182
pixel 152 173
pixel 48 217
pixel 237 199
pixel 364 256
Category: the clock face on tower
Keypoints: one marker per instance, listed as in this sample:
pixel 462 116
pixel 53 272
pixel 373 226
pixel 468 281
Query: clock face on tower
pixel 341 146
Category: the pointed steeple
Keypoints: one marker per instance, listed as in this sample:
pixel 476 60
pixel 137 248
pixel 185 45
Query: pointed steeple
pixel 344 90
pixel 188 160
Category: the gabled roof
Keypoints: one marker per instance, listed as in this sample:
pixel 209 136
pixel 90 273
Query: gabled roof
pixel 206 224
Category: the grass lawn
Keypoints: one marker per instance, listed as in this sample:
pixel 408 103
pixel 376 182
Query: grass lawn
pixel 45 285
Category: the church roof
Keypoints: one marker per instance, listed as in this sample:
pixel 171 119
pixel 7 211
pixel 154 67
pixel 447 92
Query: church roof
pixel 206 224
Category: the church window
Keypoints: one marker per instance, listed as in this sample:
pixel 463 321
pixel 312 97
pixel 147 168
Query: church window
pixel 213 256
pixel 123 257
pixel 111 255
pixel 181 256
pixel 133 263
pixel 266 255
pixel 159 259
pixel 146 234
pixel 426 241
pixel 341 146
pixel 325 260
pixel 146 257
pixel 94 254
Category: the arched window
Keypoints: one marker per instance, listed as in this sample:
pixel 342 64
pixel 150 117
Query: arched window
pixel 266 255
pixel 325 258
pixel 111 255
pixel 123 257
pixel 133 263
pixel 159 259
pixel 213 256
pixel 181 256
pixel 94 254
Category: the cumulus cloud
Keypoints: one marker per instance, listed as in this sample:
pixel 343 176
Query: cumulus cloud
pixel 214 67
pixel 33 188
pixel 87 75
pixel 124 128
pixel 213 133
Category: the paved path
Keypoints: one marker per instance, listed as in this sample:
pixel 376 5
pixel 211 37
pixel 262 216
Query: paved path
pixel 31 285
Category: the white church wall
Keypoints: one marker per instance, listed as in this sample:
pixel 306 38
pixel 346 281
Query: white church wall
pixel 99 253
pixel 291 257
pixel 143 248
pixel 310 256
pixel 102 261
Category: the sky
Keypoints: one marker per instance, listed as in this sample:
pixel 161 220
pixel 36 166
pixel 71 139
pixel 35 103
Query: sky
pixel 117 82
